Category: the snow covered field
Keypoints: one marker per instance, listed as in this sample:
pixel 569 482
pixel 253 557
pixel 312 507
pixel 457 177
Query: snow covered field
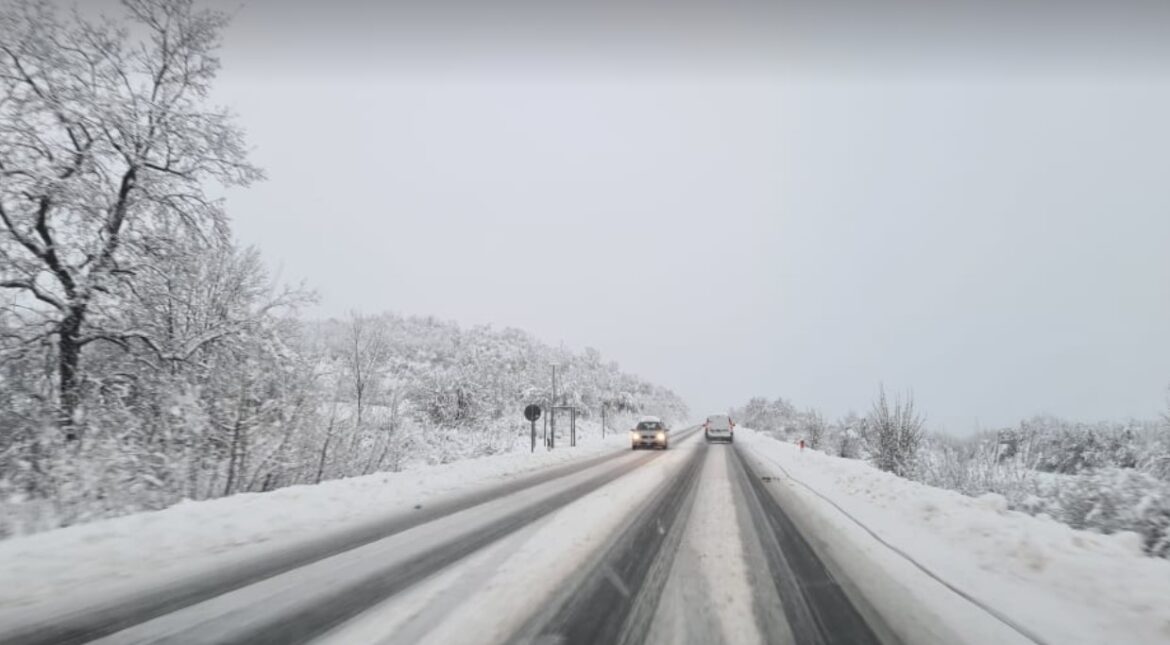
pixel 157 547
pixel 1059 584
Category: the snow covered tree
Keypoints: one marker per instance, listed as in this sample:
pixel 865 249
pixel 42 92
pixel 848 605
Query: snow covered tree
pixel 366 356
pixel 107 148
pixel 893 434
pixel 777 417
pixel 813 429
pixel 144 357
pixel 848 436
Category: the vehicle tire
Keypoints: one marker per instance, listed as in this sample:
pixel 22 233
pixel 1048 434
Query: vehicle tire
pixel 633 446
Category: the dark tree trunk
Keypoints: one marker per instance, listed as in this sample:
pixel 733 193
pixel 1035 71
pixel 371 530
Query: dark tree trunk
pixel 324 454
pixel 233 457
pixel 68 365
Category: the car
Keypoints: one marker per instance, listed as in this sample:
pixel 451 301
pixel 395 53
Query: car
pixel 719 427
pixel 650 432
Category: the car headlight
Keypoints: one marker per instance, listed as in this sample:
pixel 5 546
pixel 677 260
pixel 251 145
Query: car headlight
pixel 662 436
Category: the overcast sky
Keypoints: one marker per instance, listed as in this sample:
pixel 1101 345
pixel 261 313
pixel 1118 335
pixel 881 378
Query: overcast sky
pixel 968 200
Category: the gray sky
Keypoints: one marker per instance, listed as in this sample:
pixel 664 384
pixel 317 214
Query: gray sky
pixel 972 203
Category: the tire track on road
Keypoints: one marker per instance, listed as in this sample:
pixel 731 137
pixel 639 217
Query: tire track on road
pixel 817 609
pixel 616 601
pixel 108 616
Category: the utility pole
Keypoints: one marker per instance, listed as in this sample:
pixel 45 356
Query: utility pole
pixel 552 413
pixel 602 420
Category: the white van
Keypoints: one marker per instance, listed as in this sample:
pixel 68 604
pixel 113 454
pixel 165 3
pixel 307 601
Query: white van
pixel 719 427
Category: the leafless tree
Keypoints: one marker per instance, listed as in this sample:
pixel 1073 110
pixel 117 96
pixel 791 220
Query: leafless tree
pixel 1166 414
pixel 814 428
pixel 366 357
pixel 893 433
pixel 107 147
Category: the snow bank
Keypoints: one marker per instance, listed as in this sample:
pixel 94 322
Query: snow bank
pixel 1059 584
pixel 158 547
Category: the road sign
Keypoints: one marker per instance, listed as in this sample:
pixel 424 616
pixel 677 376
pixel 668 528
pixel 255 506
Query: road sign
pixel 532 413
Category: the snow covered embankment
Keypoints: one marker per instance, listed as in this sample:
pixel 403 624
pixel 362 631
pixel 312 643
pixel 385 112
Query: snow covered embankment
pixel 1058 584
pixel 156 548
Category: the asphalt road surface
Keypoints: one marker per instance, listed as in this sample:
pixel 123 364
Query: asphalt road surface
pixel 687 545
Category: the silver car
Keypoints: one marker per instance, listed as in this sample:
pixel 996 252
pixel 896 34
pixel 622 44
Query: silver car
pixel 650 432
pixel 719 427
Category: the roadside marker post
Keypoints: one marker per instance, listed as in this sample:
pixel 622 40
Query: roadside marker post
pixel 532 413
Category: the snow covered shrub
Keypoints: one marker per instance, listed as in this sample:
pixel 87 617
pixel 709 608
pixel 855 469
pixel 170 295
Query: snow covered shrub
pixel 1155 454
pixel 1013 462
pixel 812 428
pixel 1112 500
pixel 778 418
pixel 457 443
pixel 893 434
pixel 1069 447
pixel 846 437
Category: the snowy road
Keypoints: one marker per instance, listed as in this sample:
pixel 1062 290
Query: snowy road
pixel 682 546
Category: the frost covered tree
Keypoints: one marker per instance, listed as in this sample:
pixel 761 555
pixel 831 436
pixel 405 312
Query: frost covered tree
pixel 778 417
pixel 108 146
pixel 813 428
pixel 893 433
pixel 366 356
pixel 145 358
pixel 848 432
pixel 128 318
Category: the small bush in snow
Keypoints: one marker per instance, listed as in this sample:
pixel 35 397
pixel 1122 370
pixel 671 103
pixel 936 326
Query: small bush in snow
pixel 893 434
pixel 1113 500
pixel 813 429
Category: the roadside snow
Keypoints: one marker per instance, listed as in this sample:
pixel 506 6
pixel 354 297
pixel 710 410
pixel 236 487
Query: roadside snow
pixel 1060 584
pixel 155 548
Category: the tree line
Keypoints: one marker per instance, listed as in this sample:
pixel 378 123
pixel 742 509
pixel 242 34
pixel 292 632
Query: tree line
pixel 145 356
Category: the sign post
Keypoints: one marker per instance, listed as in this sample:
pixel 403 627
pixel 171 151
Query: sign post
pixel 552 412
pixel 532 413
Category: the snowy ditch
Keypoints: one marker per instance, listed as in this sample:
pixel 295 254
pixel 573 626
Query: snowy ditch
pixel 893 540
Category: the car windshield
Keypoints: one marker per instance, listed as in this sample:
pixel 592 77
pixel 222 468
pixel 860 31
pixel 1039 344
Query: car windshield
pixel 403 322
